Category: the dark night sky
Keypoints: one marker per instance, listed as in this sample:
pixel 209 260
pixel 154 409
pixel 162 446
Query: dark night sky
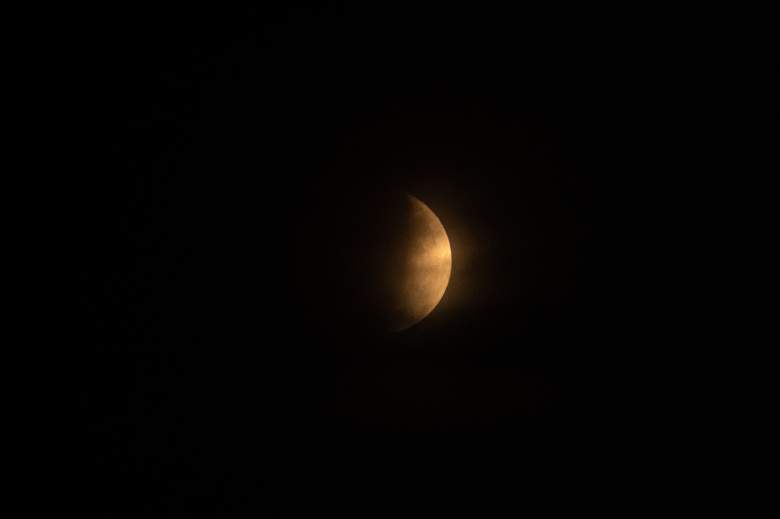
pixel 224 131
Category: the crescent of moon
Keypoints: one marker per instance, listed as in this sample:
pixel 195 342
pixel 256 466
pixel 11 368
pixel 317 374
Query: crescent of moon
pixel 428 266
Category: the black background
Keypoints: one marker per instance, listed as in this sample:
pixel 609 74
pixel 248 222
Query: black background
pixel 205 383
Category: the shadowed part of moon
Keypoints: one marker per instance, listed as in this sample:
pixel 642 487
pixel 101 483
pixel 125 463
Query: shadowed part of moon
pixel 426 267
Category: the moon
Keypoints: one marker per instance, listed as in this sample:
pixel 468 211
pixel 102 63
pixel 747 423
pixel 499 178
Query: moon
pixel 367 260
pixel 426 268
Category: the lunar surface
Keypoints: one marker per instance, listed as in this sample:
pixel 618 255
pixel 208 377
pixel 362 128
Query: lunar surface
pixel 427 268
pixel 370 260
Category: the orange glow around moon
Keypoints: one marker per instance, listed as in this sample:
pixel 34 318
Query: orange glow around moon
pixel 428 265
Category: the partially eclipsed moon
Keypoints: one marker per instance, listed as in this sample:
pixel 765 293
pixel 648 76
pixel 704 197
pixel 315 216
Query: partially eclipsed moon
pixel 427 268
